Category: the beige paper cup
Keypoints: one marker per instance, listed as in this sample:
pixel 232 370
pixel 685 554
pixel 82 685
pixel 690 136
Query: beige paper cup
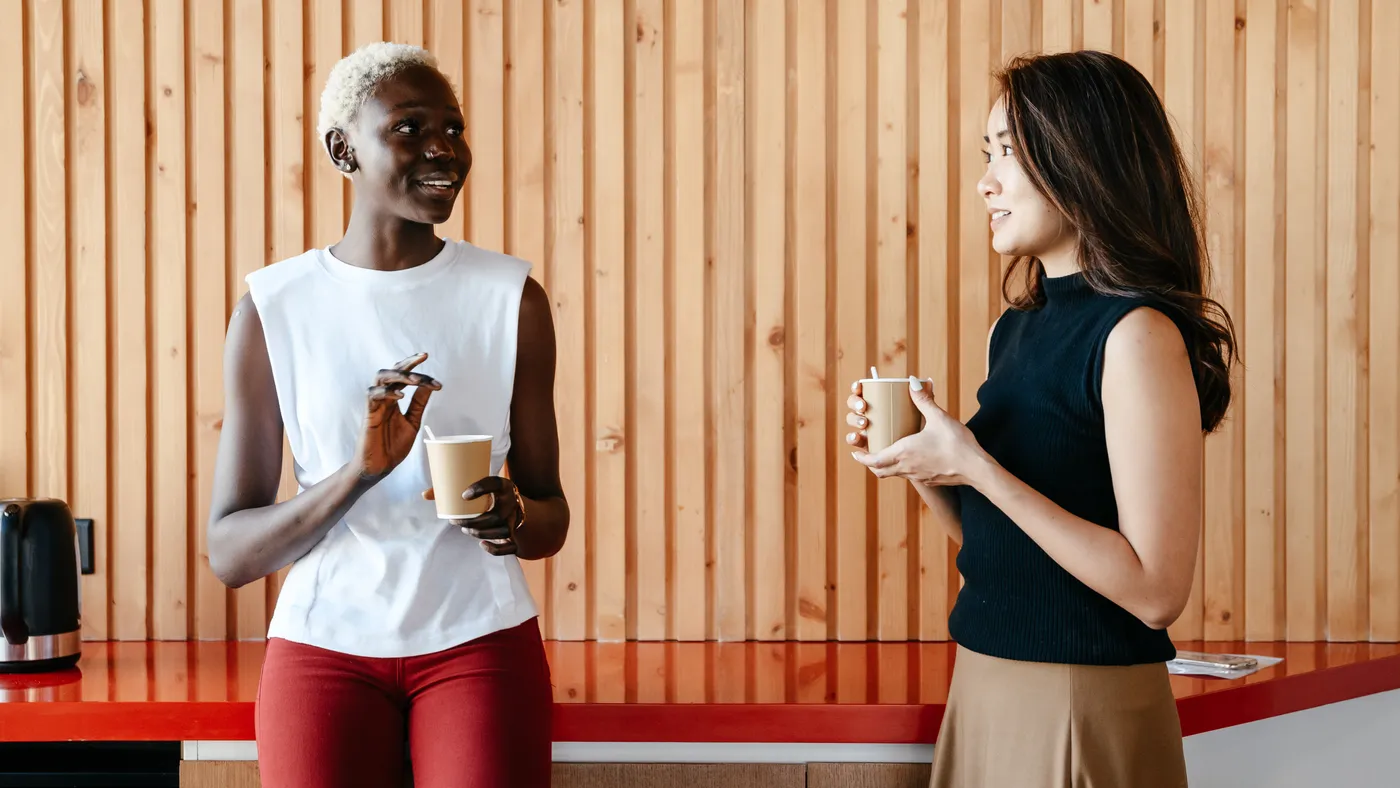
pixel 456 462
pixel 890 412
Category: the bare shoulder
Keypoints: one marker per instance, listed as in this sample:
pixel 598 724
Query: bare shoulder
pixel 245 320
pixel 536 320
pixel 1146 369
pixel 1145 335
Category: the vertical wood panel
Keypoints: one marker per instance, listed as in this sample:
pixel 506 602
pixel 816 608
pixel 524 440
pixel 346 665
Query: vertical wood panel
pixel 1098 24
pixel 485 122
pixel 937 268
pixel 403 20
pixel 1261 329
pixel 1346 308
pixel 1139 37
pixel 1383 437
pixel 1223 533
pixel 690 469
pixel 1183 104
pixel 974 234
pixel 810 268
pixel 1057 25
pixel 446 37
pixel 565 245
pixel 852 353
pixel 525 170
pixel 647 275
pixel 169 362
pixel 209 246
pixel 131 571
pixel 325 184
pixel 366 22
pixel 248 214
pixel 892 323
pixel 14 259
pixel 732 224
pixel 729 322
pixel 1305 379
pixel 607 318
pixel 286 183
pixel 766 151
pixel 48 234
pixel 87 109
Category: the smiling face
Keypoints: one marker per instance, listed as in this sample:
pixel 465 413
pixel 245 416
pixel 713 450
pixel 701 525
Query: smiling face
pixel 1024 222
pixel 405 146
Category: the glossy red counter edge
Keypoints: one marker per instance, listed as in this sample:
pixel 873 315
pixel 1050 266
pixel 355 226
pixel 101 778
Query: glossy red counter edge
pixel 692 722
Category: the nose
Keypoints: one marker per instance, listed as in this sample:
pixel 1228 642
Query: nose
pixel 437 147
pixel 988 185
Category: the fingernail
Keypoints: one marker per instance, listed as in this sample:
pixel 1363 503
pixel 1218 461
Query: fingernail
pixel 915 384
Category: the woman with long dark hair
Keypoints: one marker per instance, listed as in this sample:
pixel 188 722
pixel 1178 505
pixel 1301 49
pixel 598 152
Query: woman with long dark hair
pixel 1075 490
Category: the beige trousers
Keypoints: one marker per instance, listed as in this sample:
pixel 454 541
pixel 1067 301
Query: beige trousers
pixel 1013 724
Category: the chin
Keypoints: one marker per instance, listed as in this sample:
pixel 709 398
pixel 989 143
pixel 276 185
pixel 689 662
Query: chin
pixel 1005 247
pixel 432 214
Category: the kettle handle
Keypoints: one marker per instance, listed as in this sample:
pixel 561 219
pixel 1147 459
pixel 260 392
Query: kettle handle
pixel 11 613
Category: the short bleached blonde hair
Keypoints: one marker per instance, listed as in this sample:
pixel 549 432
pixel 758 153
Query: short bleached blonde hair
pixel 353 79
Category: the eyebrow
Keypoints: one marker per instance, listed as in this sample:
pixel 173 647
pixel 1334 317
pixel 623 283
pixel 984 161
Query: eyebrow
pixel 1000 135
pixel 419 105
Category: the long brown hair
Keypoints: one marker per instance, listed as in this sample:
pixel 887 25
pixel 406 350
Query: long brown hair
pixel 1093 137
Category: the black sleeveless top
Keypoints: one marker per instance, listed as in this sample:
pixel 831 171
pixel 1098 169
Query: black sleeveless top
pixel 1041 417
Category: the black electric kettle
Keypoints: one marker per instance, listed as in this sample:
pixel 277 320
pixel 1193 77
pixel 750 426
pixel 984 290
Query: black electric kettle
pixel 39 617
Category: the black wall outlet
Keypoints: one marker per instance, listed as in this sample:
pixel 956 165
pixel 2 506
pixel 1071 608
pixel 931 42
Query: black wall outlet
pixel 85 548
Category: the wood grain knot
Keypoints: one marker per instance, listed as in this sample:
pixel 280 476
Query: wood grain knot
pixel 776 337
pixel 84 90
pixel 806 608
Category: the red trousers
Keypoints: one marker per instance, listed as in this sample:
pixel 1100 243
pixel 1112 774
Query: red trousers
pixel 478 714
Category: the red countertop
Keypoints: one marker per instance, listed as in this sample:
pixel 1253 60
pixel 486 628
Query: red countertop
pixel 674 692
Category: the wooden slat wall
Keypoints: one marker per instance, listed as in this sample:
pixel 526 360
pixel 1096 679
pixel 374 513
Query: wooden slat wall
pixel 737 207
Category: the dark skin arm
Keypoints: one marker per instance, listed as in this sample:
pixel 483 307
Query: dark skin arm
pixel 540 528
pixel 250 536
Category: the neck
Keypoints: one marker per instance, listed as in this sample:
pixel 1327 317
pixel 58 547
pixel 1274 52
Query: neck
pixel 1061 262
pixel 385 243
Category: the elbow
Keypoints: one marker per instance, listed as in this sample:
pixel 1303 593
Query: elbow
pixel 1161 614
pixel 225 567
pixel 228 573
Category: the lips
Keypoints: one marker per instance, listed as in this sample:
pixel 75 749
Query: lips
pixel 441 185
pixel 998 214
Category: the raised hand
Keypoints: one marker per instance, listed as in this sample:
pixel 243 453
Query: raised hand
pixel 389 432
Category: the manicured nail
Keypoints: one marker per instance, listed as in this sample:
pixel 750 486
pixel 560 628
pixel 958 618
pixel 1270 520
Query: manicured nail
pixel 915 384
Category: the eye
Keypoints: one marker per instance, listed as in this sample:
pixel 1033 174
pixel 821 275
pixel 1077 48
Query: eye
pixel 455 129
pixel 987 156
pixel 406 127
pixel 1006 150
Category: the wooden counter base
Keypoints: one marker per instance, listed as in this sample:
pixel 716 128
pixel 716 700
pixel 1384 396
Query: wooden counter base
pixel 738 714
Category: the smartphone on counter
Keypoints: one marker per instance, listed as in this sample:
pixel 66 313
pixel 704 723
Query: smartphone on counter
pixel 1224 661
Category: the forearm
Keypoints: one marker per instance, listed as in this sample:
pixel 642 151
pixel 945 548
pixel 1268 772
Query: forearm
pixel 942 501
pixel 253 543
pixel 1099 557
pixel 545 528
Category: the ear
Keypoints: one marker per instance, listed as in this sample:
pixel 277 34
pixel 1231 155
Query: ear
pixel 342 155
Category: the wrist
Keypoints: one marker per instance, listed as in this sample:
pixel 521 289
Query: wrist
pixel 354 480
pixel 981 471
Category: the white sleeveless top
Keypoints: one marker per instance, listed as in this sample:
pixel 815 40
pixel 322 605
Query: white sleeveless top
pixel 391 579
